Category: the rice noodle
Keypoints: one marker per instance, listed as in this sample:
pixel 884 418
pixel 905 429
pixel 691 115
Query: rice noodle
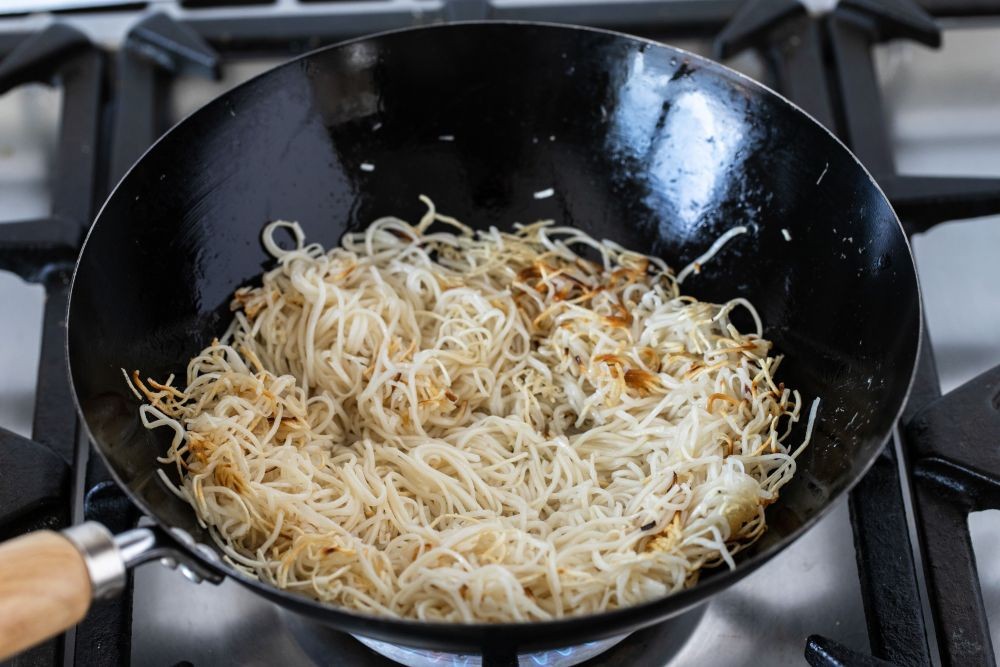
pixel 435 424
pixel 695 266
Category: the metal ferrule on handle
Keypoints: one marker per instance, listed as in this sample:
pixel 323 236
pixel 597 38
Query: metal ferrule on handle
pixel 108 556
pixel 103 557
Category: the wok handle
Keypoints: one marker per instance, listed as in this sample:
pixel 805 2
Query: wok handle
pixel 44 589
pixel 47 581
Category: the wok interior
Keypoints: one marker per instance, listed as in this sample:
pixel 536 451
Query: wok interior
pixel 648 146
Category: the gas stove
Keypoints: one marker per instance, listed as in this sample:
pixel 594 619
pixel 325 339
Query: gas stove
pixel 890 576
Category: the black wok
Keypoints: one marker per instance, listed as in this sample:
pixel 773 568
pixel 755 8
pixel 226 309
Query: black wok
pixel 655 148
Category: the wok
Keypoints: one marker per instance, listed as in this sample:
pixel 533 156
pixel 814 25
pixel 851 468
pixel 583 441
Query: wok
pixel 655 148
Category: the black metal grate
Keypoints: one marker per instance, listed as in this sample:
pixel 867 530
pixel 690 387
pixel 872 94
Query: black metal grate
pixel 43 251
pixel 822 63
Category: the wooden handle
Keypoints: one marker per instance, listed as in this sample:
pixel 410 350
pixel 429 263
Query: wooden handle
pixel 44 589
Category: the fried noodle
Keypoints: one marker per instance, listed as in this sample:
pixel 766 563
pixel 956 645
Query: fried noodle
pixel 432 423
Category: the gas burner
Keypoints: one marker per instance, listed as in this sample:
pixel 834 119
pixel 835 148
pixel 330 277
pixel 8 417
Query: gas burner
pixel 560 657
pixel 663 641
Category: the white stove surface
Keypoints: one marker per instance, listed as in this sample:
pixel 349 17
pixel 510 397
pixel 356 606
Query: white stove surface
pixel 943 117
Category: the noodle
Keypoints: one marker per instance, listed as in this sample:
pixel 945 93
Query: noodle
pixel 431 423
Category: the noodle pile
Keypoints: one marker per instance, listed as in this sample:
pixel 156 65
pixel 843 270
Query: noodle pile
pixel 437 424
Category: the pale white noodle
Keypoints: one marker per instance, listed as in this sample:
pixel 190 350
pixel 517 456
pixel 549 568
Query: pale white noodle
pixel 695 266
pixel 430 423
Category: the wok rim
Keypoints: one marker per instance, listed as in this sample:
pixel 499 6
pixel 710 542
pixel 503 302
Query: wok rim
pixel 606 623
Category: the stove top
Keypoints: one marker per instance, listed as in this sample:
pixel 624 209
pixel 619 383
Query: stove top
pixel 891 573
